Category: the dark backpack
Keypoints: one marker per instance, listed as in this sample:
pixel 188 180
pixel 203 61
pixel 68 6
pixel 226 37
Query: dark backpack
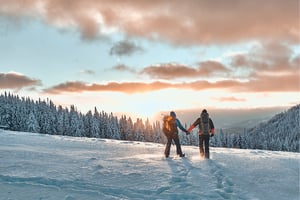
pixel 169 125
pixel 204 124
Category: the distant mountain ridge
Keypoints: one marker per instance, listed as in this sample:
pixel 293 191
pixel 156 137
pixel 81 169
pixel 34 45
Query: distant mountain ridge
pixel 280 132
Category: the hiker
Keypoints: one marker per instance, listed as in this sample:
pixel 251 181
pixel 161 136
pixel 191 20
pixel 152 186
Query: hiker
pixel 206 130
pixel 170 130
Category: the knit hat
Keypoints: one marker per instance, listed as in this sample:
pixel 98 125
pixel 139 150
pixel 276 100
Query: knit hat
pixel 173 114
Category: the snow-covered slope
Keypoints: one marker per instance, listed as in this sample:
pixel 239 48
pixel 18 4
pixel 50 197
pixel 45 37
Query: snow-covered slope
pixel 35 166
pixel 281 132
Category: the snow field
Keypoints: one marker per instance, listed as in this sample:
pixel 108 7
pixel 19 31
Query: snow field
pixel 35 166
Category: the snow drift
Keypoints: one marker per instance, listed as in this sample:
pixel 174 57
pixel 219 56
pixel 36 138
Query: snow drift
pixel 37 166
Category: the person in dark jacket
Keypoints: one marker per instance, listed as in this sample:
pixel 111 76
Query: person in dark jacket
pixel 206 130
pixel 174 136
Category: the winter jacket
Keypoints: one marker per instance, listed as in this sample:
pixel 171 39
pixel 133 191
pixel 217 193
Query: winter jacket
pixel 198 123
pixel 179 125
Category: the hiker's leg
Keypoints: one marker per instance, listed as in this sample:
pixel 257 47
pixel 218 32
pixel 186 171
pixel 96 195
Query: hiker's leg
pixel 201 146
pixel 206 143
pixel 168 146
pixel 178 147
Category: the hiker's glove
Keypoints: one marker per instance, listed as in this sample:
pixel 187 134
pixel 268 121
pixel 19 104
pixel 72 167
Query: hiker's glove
pixel 212 135
pixel 187 133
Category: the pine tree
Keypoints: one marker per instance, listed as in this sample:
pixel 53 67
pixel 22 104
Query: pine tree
pixel 32 124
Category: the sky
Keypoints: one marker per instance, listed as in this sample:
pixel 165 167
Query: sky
pixel 144 57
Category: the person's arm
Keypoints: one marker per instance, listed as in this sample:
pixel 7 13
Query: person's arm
pixel 193 125
pixel 178 123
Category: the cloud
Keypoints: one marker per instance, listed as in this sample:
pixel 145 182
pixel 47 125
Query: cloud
pixel 209 68
pixel 123 68
pixel 261 83
pixel 230 99
pixel 88 72
pixel 124 48
pixel 274 83
pixel 274 58
pixel 125 87
pixel 296 61
pixel 265 58
pixel 14 80
pixel 267 62
pixel 170 71
pixel 179 22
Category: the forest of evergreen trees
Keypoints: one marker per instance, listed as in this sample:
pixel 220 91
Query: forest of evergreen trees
pixel 280 133
pixel 24 114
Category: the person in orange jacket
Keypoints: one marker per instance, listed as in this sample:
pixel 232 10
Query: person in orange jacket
pixel 174 136
pixel 206 130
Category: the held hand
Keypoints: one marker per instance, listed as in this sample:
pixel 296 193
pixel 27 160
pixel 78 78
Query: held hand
pixel 212 135
pixel 187 132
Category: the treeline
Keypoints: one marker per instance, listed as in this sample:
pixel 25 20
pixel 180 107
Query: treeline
pixel 24 114
pixel 281 133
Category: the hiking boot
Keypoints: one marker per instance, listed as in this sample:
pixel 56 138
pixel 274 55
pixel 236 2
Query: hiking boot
pixel 182 155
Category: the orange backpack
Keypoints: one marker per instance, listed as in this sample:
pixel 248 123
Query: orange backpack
pixel 169 125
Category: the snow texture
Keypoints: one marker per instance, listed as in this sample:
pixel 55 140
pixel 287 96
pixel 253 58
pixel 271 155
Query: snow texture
pixel 39 166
